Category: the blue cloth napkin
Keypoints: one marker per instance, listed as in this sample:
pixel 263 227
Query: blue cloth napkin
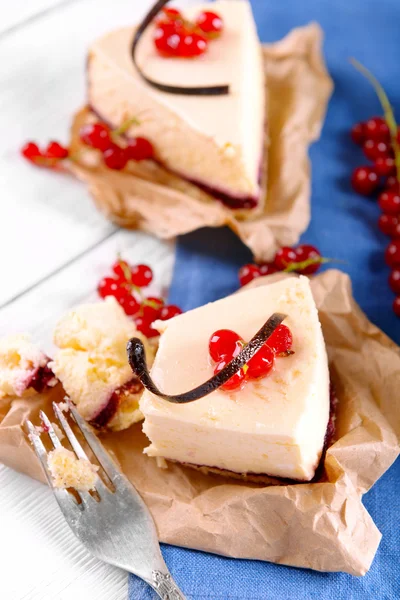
pixel 344 226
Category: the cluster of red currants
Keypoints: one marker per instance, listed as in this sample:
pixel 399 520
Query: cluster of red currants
pixel 126 286
pixel 100 137
pixel 176 37
pixel 374 136
pixel 50 157
pixel 225 344
pixel 304 259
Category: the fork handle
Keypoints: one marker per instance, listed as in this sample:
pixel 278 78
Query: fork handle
pixel 165 586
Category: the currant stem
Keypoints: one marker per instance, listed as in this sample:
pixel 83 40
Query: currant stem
pixel 299 266
pixel 125 126
pixel 387 110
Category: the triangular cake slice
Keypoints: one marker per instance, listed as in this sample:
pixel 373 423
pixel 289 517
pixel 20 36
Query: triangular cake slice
pixel 275 425
pixel 216 142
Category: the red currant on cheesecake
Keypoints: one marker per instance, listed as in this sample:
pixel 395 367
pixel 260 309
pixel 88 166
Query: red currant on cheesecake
pixel 92 366
pixel 209 22
pixel 273 420
pixel 195 136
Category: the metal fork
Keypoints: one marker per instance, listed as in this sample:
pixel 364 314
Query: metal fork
pixel 114 523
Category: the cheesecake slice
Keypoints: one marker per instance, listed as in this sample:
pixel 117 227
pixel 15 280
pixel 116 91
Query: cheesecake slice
pixel 215 142
pixel 275 425
pixel 92 366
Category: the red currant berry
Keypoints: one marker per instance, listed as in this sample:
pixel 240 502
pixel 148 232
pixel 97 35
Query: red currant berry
pixel 261 363
pixel 385 165
pixel 141 276
pixel 236 382
pixel 31 151
pixel 281 340
pixel 396 232
pixel 307 252
pixel 392 182
pixel 247 273
pixel 210 22
pixel 284 257
pixel 96 135
pixel 56 150
pixel 396 306
pixel 122 270
pixel 169 311
pixel 224 343
pixel 365 180
pixel 394 281
pixel 168 37
pixel 387 224
pixel 145 326
pixel 377 129
pixel 191 45
pixel 267 269
pixel 115 158
pixel 121 294
pixel 374 149
pixel 389 202
pixel 392 254
pixel 151 308
pixel 107 287
pixel 357 133
pixel 139 148
pixel 130 305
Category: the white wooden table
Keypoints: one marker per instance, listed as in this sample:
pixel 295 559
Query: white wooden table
pixel 54 247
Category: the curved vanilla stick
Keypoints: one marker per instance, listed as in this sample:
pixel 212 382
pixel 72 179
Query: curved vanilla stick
pixel 137 361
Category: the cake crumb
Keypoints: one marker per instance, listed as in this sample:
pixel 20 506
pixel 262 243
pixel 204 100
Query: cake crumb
pixel 68 471
pixel 161 462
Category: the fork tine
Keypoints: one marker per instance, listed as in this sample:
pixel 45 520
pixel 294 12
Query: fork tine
pixel 109 466
pixel 73 440
pixel 40 450
pixel 63 497
pixel 79 451
pixel 50 429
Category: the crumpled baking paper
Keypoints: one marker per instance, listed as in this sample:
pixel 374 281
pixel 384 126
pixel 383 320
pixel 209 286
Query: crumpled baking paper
pixel 321 525
pixel 148 197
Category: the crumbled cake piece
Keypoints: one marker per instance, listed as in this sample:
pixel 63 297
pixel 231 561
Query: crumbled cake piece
pixel 21 361
pixel 92 363
pixel 68 471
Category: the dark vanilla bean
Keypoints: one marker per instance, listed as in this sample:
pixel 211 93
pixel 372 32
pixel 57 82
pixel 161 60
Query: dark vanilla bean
pixel 213 90
pixel 137 361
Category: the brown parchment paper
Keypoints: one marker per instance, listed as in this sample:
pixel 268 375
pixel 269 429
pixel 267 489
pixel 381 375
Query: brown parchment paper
pixel 150 198
pixel 321 525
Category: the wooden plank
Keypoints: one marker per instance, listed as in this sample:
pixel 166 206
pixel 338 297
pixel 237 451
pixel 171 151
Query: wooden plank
pixel 18 12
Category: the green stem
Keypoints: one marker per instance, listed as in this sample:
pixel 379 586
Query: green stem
pixel 387 110
pixel 299 266
pixel 125 126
